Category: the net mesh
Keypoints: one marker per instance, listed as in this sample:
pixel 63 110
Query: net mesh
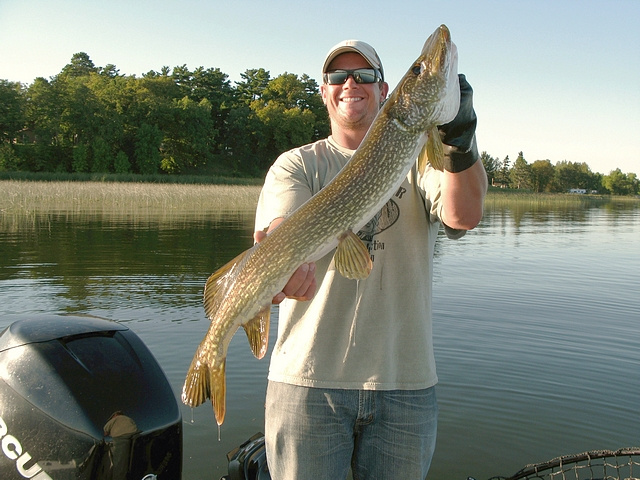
pixel 623 464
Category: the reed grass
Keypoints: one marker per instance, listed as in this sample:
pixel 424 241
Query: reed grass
pixel 137 198
pixel 501 199
pixel 118 199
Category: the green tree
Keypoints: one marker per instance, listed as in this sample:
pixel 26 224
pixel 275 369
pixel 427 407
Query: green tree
pixel 80 161
pixel 288 91
pixel 113 97
pixel 147 150
pixel 542 172
pixel 284 108
pixel 81 109
pixel 253 84
pixel 570 175
pixel 285 128
pixel 188 139
pixel 102 156
pixel 79 66
pixel 182 78
pixel 214 86
pixel 313 101
pixel 9 161
pixel 12 111
pixel 635 183
pixel 121 163
pixel 491 166
pixel 502 175
pixel 520 174
pixel 109 71
pixel 245 132
pixel 43 111
pixel 619 183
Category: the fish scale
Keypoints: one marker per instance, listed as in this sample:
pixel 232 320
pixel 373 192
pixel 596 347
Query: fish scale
pixel 240 293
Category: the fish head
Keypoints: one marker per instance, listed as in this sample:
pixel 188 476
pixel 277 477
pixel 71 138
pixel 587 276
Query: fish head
pixel 429 93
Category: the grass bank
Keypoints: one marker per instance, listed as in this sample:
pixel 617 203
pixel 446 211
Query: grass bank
pixel 498 197
pixel 123 198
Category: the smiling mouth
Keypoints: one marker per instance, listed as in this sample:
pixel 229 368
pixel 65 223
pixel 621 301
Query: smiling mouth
pixel 351 99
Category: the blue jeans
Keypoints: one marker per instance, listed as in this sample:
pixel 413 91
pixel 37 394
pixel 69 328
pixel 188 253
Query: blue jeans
pixel 315 433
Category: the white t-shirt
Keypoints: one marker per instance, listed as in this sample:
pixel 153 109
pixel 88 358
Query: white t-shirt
pixel 369 334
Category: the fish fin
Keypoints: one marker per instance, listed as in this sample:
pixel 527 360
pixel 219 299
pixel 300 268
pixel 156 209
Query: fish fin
pixel 217 379
pixel 257 330
pixel 352 257
pixel 196 388
pixel 216 286
pixel 432 152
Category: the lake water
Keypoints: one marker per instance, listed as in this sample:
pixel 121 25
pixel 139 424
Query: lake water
pixel 537 322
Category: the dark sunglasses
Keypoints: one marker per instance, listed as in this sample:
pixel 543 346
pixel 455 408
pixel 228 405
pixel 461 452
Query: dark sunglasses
pixel 360 75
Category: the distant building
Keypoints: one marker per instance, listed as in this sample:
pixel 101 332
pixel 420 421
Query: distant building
pixel 578 190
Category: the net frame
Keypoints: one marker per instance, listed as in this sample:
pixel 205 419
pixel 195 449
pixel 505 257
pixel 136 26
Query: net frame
pixel 622 464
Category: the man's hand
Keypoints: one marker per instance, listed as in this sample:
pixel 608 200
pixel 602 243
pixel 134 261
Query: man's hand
pixel 302 284
pixel 458 135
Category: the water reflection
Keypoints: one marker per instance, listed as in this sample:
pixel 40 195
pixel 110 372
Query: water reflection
pixel 78 258
pixel 122 430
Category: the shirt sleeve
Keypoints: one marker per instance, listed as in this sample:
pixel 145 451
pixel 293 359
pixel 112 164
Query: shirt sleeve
pixel 285 188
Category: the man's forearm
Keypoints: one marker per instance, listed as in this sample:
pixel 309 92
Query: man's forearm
pixel 463 197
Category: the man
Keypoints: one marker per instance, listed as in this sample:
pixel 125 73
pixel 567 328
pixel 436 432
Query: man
pixel 352 374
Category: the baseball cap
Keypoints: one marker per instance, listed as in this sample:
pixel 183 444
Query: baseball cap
pixel 357 46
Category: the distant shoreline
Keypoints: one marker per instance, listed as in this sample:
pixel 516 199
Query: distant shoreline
pixel 117 196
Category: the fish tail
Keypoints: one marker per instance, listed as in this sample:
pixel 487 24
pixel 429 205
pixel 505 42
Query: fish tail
pixel 206 381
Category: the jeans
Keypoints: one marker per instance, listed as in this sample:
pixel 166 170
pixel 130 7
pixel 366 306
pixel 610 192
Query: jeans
pixel 315 433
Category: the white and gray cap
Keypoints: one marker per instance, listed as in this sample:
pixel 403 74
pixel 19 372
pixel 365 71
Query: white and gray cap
pixel 357 46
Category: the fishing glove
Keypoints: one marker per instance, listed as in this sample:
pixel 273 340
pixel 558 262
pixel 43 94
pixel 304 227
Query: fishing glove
pixel 459 135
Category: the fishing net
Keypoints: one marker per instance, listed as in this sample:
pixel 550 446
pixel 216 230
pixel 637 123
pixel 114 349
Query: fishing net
pixel 623 464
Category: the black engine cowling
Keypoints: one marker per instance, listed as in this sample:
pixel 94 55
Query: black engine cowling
pixel 62 378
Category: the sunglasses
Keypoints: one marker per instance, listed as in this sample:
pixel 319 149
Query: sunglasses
pixel 360 75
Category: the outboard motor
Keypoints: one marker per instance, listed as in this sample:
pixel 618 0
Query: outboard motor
pixel 248 461
pixel 84 398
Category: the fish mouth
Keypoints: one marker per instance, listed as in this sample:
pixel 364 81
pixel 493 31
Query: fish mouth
pixel 437 51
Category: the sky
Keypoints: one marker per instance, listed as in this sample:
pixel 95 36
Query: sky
pixel 554 79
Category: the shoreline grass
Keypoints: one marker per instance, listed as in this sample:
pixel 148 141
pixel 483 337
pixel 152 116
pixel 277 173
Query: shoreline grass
pixel 501 198
pixel 124 198
pixel 118 197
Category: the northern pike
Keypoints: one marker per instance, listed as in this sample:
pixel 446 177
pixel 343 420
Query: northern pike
pixel 405 129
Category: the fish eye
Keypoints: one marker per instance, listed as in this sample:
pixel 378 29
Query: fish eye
pixel 417 69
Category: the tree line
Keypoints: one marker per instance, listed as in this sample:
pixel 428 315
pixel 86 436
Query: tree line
pixel 92 119
pixel 177 121
pixel 564 176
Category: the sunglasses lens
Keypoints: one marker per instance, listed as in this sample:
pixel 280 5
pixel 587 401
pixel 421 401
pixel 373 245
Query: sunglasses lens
pixel 360 75
pixel 364 76
pixel 337 78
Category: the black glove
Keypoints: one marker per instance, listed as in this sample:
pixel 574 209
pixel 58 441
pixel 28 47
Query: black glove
pixel 460 133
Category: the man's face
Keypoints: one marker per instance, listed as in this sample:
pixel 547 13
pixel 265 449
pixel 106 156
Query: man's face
pixel 352 105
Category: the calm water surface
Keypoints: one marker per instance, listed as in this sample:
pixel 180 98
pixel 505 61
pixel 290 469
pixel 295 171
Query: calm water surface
pixel 536 323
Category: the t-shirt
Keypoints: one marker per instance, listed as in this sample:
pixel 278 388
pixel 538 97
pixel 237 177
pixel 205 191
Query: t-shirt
pixel 359 334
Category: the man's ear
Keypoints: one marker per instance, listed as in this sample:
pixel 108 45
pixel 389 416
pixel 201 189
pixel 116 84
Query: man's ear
pixel 384 91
